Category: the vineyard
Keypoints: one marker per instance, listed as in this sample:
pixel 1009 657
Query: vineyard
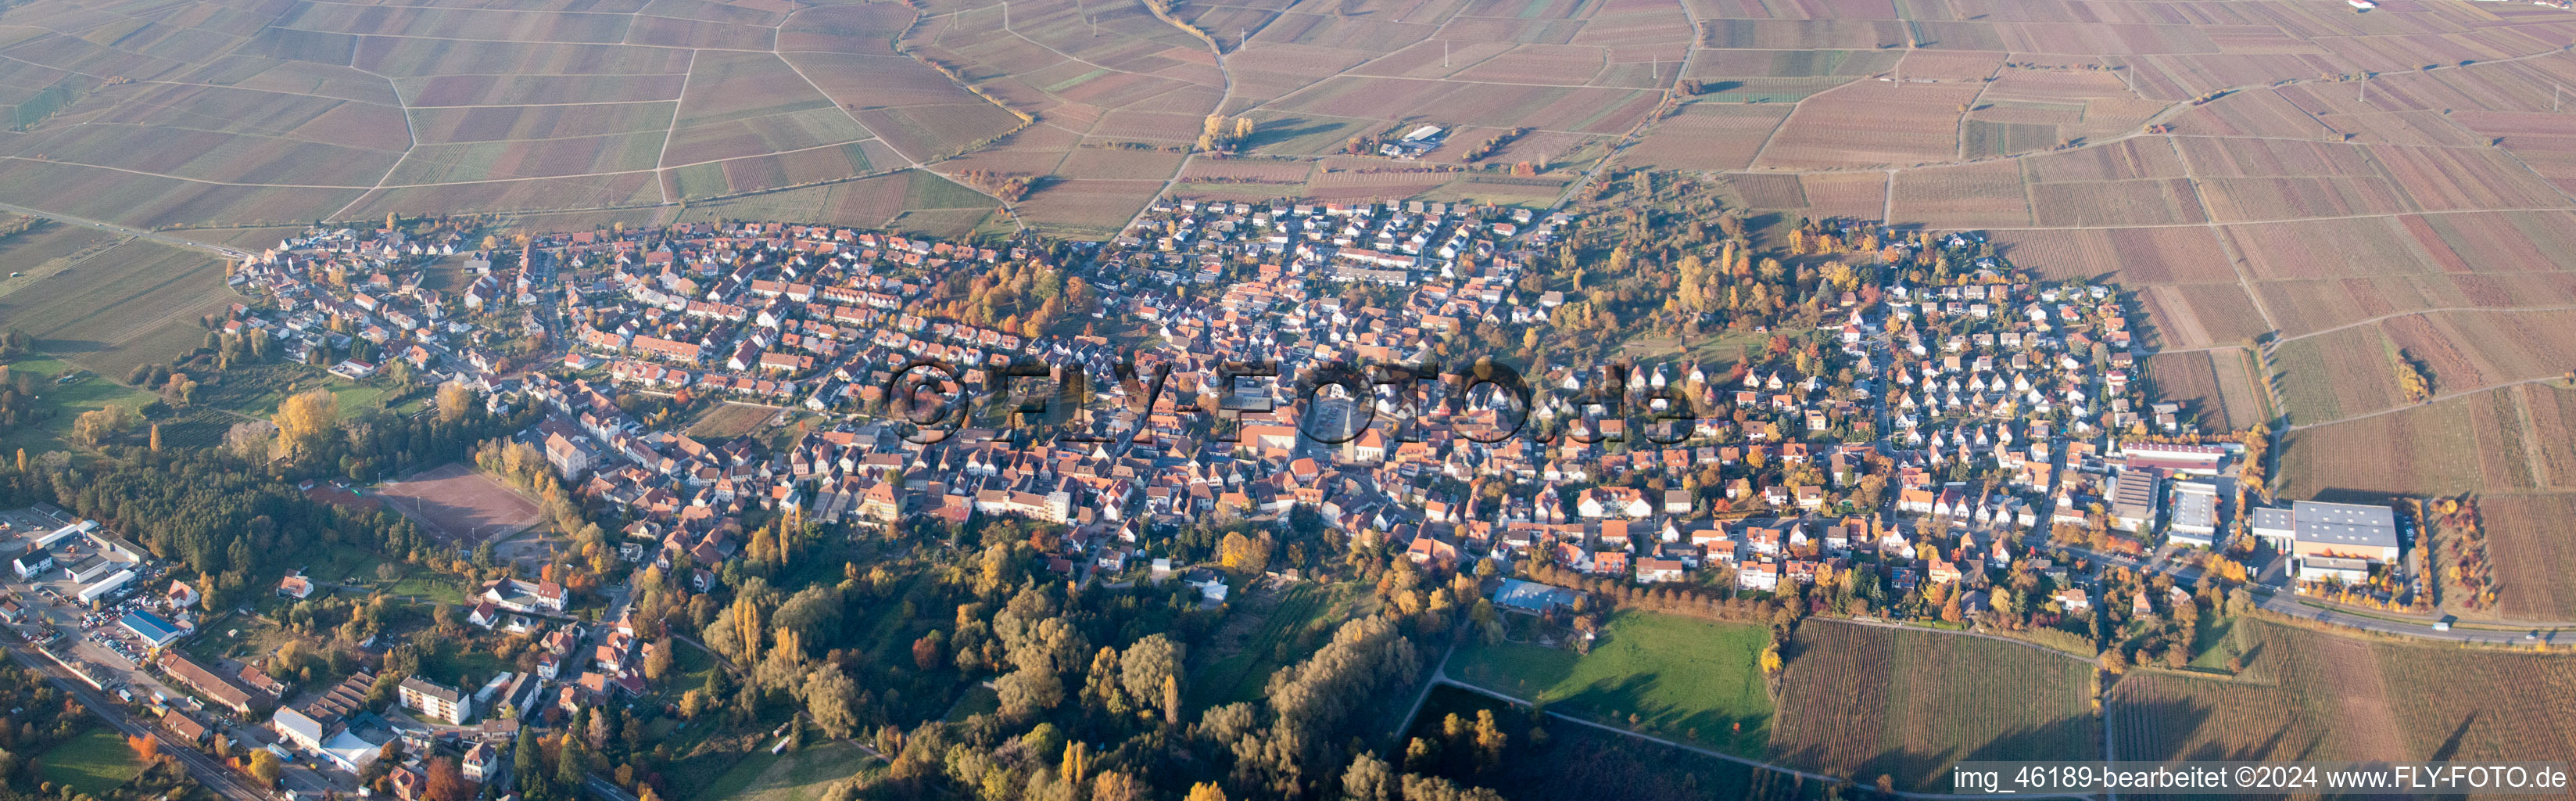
pixel 2309 695
pixel 1865 701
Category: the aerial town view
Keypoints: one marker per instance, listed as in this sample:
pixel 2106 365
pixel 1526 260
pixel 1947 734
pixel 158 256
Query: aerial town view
pixel 1330 400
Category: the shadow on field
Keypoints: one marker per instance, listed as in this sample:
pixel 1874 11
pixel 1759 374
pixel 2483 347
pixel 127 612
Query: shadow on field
pixel 1272 136
pixel 72 347
pixel 2072 738
pixel 2366 497
pixel 2178 721
pixel 1708 727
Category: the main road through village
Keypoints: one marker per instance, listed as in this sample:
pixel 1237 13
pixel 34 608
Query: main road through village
pixel 214 776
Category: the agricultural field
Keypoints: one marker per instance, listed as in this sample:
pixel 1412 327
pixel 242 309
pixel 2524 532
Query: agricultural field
pixel 2339 374
pixel 111 308
pixel 2528 544
pixel 1682 679
pixel 2309 695
pixel 2426 449
pixel 345 111
pixel 2217 386
pixel 325 111
pixel 1864 701
pixel 1708 137
pixel 729 420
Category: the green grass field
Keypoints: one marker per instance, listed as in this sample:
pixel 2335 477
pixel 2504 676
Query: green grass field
pixel 66 401
pixel 344 566
pixel 452 664
pixel 263 388
pixel 798 775
pixel 93 763
pixel 978 700
pixel 436 588
pixel 1683 679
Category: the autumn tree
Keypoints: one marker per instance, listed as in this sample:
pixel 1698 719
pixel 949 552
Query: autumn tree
pixel 306 420
pixel 2411 380
pixel 1147 667
pixel 100 425
pixel 831 697
pixel 447 782
pixel 1249 555
pixel 265 767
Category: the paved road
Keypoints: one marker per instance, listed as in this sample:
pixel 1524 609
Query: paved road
pixel 604 789
pixel 166 239
pixel 223 780
pixel 2276 596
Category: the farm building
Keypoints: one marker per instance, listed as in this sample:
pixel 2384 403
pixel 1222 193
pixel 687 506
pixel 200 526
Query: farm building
pixel 2330 539
pixel 1415 143
pixel 2345 530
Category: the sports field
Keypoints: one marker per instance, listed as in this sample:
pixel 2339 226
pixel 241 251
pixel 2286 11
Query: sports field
pixel 460 505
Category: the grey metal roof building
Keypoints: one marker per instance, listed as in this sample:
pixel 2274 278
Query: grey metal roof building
pixel 2345 524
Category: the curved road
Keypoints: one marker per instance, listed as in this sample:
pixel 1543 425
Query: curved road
pixel 166 239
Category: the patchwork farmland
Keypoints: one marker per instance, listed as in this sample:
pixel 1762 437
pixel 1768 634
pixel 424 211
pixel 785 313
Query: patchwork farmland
pixel 332 111
pixel 2310 696
pixel 1998 120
